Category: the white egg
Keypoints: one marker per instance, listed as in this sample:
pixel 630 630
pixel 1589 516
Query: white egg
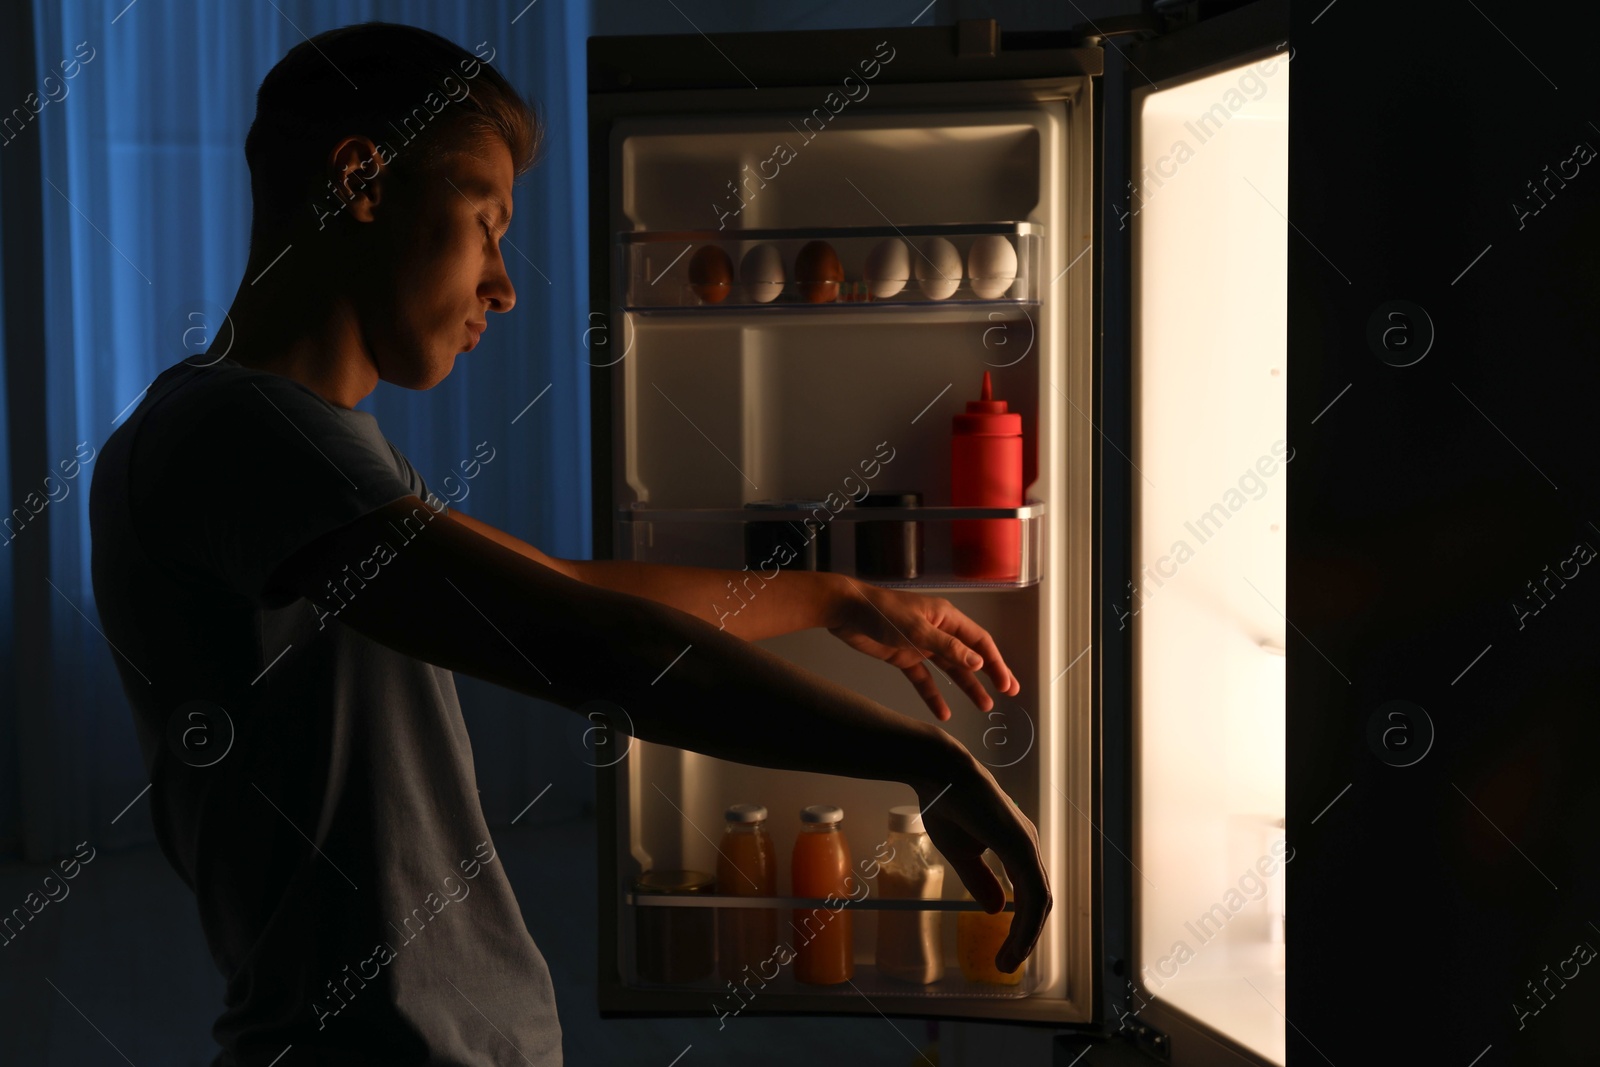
pixel 888 268
pixel 991 266
pixel 761 273
pixel 938 268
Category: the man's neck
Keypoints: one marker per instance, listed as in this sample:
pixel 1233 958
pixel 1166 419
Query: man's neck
pixel 290 334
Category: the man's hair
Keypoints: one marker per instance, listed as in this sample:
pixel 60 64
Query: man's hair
pixel 420 95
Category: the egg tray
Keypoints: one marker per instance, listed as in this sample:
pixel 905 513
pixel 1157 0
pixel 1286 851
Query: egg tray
pixel 909 267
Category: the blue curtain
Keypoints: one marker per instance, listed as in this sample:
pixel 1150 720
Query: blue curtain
pixel 145 210
pixel 10 694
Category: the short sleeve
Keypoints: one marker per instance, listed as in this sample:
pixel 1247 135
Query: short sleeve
pixel 245 471
pixel 414 479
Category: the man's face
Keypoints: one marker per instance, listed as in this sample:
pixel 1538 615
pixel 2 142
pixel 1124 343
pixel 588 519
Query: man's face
pixel 437 270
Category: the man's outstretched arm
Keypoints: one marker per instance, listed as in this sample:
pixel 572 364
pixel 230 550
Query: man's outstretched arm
pixel 460 600
pixel 731 600
pixel 905 629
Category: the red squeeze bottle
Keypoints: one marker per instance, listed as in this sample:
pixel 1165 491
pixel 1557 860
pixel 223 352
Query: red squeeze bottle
pixel 986 471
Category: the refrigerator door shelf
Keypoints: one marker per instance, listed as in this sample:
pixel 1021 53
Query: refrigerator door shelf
pixel 865 982
pixel 952 230
pixel 703 900
pixel 645 513
pixel 719 271
pixel 773 974
pixel 715 537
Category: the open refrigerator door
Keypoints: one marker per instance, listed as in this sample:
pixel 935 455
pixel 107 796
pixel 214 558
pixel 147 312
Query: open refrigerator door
pixel 1207 602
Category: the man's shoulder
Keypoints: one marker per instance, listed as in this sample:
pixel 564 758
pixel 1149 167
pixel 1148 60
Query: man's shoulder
pixel 232 403
pixel 223 384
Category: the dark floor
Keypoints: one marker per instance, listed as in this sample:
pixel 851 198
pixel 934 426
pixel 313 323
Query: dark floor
pixel 117 971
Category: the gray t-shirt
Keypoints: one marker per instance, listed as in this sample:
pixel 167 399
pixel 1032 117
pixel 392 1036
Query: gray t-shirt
pixel 313 787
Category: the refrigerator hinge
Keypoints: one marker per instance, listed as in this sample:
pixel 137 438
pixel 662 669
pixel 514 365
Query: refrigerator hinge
pixel 1138 27
pixel 977 39
pixel 1147 1039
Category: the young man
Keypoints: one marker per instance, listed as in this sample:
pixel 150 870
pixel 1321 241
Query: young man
pixel 286 610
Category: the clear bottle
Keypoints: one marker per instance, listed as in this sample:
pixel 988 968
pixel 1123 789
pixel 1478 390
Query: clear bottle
pixel 820 867
pixel 909 942
pixel 979 936
pixel 746 867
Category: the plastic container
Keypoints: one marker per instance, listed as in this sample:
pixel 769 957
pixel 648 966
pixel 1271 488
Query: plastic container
pixel 747 866
pixel 986 472
pixel 820 867
pixel 890 549
pixel 787 544
pixel 910 942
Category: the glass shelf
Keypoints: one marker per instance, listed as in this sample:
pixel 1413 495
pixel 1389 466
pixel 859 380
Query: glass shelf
pixel 742 271
pixel 1007 556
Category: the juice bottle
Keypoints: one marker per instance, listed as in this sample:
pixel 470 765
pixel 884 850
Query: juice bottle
pixel 909 946
pixel 824 945
pixel 979 936
pixel 746 867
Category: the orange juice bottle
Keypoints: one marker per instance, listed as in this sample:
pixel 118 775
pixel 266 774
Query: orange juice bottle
pixel 746 867
pixel 824 943
pixel 979 936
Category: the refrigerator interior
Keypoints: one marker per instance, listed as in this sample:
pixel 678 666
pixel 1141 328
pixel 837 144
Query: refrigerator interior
pixel 721 402
pixel 1208 603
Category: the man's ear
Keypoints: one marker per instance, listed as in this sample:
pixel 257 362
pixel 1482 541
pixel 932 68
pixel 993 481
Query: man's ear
pixel 359 173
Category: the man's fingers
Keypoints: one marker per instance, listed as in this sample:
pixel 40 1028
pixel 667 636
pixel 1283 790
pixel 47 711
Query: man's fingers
pixel 969 684
pixel 967 638
pixel 956 652
pixel 994 665
pixel 1032 908
pixel 927 689
pixel 946 644
pixel 980 881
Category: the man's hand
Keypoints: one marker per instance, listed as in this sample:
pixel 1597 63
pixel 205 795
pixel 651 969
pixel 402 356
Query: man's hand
pixel 966 817
pixel 909 630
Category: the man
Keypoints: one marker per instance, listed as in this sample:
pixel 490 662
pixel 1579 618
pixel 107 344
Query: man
pixel 286 608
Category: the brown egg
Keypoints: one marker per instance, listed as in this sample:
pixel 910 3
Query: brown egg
pixel 818 273
pixel 711 274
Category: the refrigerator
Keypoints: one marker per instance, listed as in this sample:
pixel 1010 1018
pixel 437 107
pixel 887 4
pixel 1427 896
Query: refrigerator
pixel 746 381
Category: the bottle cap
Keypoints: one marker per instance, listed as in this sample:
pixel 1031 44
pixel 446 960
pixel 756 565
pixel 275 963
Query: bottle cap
pixel 822 813
pixel 905 819
pixel 745 813
pixel 988 416
pixel 654 881
pixel 986 404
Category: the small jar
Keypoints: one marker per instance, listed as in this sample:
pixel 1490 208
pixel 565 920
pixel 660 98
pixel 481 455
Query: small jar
pixel 891 549
pixel 674 944
pixel 788 544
